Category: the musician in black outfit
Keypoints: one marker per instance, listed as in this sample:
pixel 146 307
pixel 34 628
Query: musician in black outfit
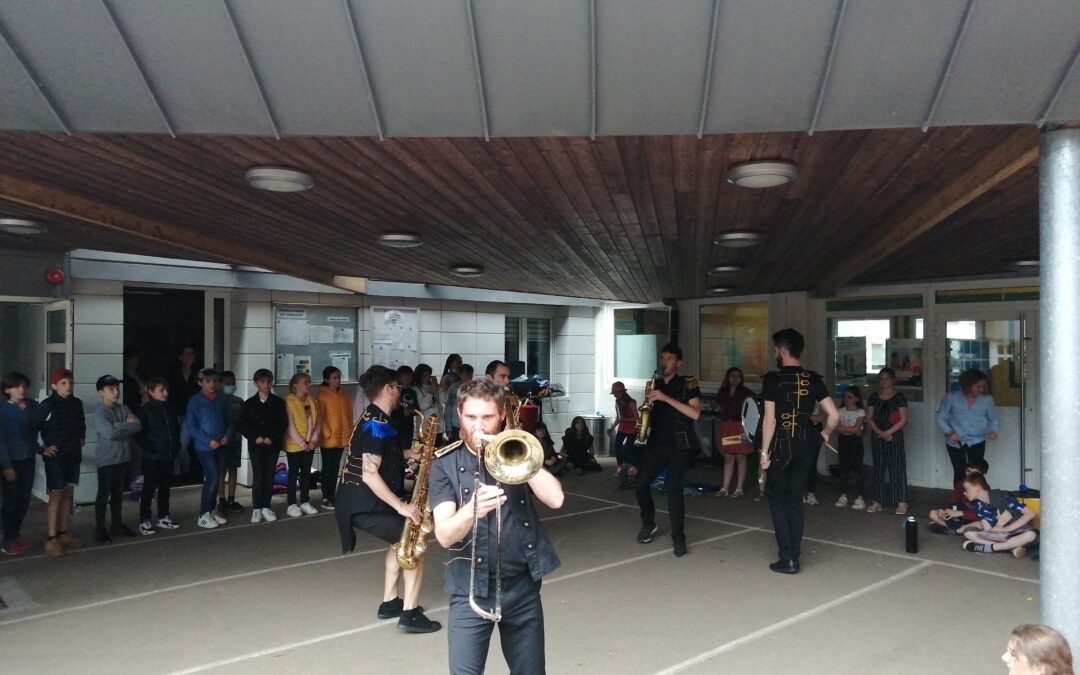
pixel 526 553
pixel 672 442
pixel 790 395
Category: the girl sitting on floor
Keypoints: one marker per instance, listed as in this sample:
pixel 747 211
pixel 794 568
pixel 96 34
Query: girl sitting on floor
pixel 1004 523
pixel 577 446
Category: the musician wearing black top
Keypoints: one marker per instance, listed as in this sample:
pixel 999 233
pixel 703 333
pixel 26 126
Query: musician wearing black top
pixel 789 441
pixel 672 442
pixel 525 553
pixel 370 498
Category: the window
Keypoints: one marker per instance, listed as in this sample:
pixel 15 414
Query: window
pixel 528 346
pixel 639 335
pixel 735 335
pixel 863 346
pixel 876 332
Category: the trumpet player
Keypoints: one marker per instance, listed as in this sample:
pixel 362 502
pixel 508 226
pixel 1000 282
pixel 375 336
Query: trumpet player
pixel 676 403
pixel 524 551
pixel 369 498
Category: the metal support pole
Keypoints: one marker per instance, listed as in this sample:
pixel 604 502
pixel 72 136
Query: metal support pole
pixel 1059 334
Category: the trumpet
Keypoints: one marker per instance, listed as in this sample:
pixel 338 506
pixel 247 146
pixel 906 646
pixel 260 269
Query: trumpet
pixel 511 458
pixel 641 426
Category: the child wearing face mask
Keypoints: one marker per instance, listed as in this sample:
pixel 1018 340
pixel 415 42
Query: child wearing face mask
pixel 230 458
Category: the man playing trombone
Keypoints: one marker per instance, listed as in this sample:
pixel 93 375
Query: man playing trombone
pixel 497 547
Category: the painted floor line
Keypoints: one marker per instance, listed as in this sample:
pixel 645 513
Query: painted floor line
pixel 780 625
pixel 577 513
pixel 281 649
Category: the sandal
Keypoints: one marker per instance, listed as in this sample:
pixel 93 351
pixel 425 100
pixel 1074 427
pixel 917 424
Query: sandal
pixel 722 492
pixel 901 509
pixel 873 508
pixel 738 493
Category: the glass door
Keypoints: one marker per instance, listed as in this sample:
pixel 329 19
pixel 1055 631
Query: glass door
pixel 57 337
pixel 217 341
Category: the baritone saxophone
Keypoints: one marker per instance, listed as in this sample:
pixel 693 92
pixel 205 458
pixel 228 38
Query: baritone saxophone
pixel 410 549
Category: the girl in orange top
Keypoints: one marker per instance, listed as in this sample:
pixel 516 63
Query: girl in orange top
pixel 336 422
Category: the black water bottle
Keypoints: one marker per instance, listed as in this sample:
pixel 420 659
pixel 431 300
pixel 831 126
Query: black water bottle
pixel 911 532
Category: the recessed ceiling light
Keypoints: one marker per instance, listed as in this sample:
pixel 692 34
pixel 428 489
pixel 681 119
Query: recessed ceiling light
pixel 467 270
pixel 762 174
pixel 1024 264
pixel 719 290
pixel 400 240
pixel 725 269
pixel 278 179
pixel 739 239
pixel 22 226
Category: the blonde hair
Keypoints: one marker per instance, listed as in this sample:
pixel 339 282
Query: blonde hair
pixel 299 377
pixel 1043 647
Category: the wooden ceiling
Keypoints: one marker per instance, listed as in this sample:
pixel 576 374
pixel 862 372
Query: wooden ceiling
pixel 619 218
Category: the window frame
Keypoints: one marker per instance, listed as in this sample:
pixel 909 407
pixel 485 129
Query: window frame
pixel 522 319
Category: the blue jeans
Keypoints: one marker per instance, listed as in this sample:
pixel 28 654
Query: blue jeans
pixel 211 461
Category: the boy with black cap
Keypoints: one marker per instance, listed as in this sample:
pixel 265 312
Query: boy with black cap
pixel 61 425
pixel 116 427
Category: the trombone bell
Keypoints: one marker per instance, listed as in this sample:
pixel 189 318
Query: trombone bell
pixel 513 457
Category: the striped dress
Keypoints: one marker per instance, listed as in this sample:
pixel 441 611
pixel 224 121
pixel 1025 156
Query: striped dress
pixel 888 456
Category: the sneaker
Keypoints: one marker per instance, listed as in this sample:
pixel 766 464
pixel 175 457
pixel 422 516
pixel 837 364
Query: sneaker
pixel 1019 552
pixel 308 509
pixel 327 504
pixel 901 509
pixel 218 518
pixel 54 549
pixel 722 492
pixel 101 537
pixel 414 621
pixel 938 528
pixel 146 528
pixel 268 515
pixel 646 534
pixel 68 540
pixel 618 470
pixel 842 502
pixel 974 547
pixel 859 504
pixel 166 523
pixel 811 499
pixel 12 549
pixel 633 470
pixel 873 508
pixel 24 542
pixel 234 506
pixel 207 521
pixel 293 511
pixel 122 530
pixel 679 548
pixel 256 515
pixel 391 609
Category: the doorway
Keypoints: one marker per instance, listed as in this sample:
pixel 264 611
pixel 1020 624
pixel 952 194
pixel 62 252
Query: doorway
pixel 158 323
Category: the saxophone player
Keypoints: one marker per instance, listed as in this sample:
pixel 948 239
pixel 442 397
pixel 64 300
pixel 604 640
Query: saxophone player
pixel 525 552
pixel 676 403
pixel 369 498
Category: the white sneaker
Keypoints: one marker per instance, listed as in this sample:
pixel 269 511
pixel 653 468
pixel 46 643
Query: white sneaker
pixel 859 504
pixel 166 523
pixel 220 520
pixel 308 509
pixel 207 521
pixel 256 516
pixel 268 515
pixel 811 499
pixel 842 502
pixel 294 511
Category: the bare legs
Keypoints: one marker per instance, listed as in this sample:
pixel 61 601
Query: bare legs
pixel 58 510
pixel 735 464
pixel 411 581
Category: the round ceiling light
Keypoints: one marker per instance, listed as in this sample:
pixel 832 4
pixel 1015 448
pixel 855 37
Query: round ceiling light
pixel 1025 264
pixel 725 269
pixel 400 240
pixel 720 290
pixel 739 239
pixel 22 226
pixel 763 174
pixel 278 179
pixel 468 270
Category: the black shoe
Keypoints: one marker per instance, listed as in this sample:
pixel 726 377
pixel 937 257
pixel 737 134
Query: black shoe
pixel 414 621
pixel 234 506
pixel 938 528
pixel 391 609
pixel 785 566
pixel 679 548
pixel 122 530
pixel 102 537
pixel 646 534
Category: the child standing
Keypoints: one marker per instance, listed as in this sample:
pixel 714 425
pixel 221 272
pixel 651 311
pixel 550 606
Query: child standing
pixel 887 415
pixel 60 423
pixel 336 424
pixel 731 397
pixel 160 443
pixel 207 422
pixel 851 448
pixel 115 426
pixel 300 442
pixel 16 460
pixel 263 422
pixel 230 454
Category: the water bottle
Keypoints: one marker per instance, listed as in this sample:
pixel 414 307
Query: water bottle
pixel 911 532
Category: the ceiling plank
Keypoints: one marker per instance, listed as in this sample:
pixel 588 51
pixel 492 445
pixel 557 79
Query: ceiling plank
pixel 50 200
pixel 1019 149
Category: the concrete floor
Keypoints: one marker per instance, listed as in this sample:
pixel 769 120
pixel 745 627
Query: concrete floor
pixel 246 598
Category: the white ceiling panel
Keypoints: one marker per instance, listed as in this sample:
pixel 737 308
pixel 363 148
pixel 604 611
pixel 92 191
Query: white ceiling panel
pixel 422 68
pixel 1067 106
pixel 1009 62
pixel 306 58
pixel 80 58
pixel 191 55
pixel 887 61
pixel 535 58
pixel 651 62
pixel 22 106
pixel 768 64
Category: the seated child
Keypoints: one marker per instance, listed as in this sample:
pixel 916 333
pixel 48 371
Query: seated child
pixel 577 446
pixel 960 514
pixel 1004 523
pixel 553 462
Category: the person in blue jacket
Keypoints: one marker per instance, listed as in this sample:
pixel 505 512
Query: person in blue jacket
pixel 967 418
pixel 208 423
pixel 17 462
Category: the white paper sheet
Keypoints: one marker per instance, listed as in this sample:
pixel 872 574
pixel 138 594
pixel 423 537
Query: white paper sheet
pixel 293 332
pixel 285 367
pixel 322 335
pixel 344 335
pixel 340 360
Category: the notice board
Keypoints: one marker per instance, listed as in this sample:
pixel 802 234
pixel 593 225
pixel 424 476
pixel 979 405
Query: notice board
pixel 308 338
pixel 395 336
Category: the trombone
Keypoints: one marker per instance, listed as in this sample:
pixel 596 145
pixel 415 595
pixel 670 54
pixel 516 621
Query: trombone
pixel 511 458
